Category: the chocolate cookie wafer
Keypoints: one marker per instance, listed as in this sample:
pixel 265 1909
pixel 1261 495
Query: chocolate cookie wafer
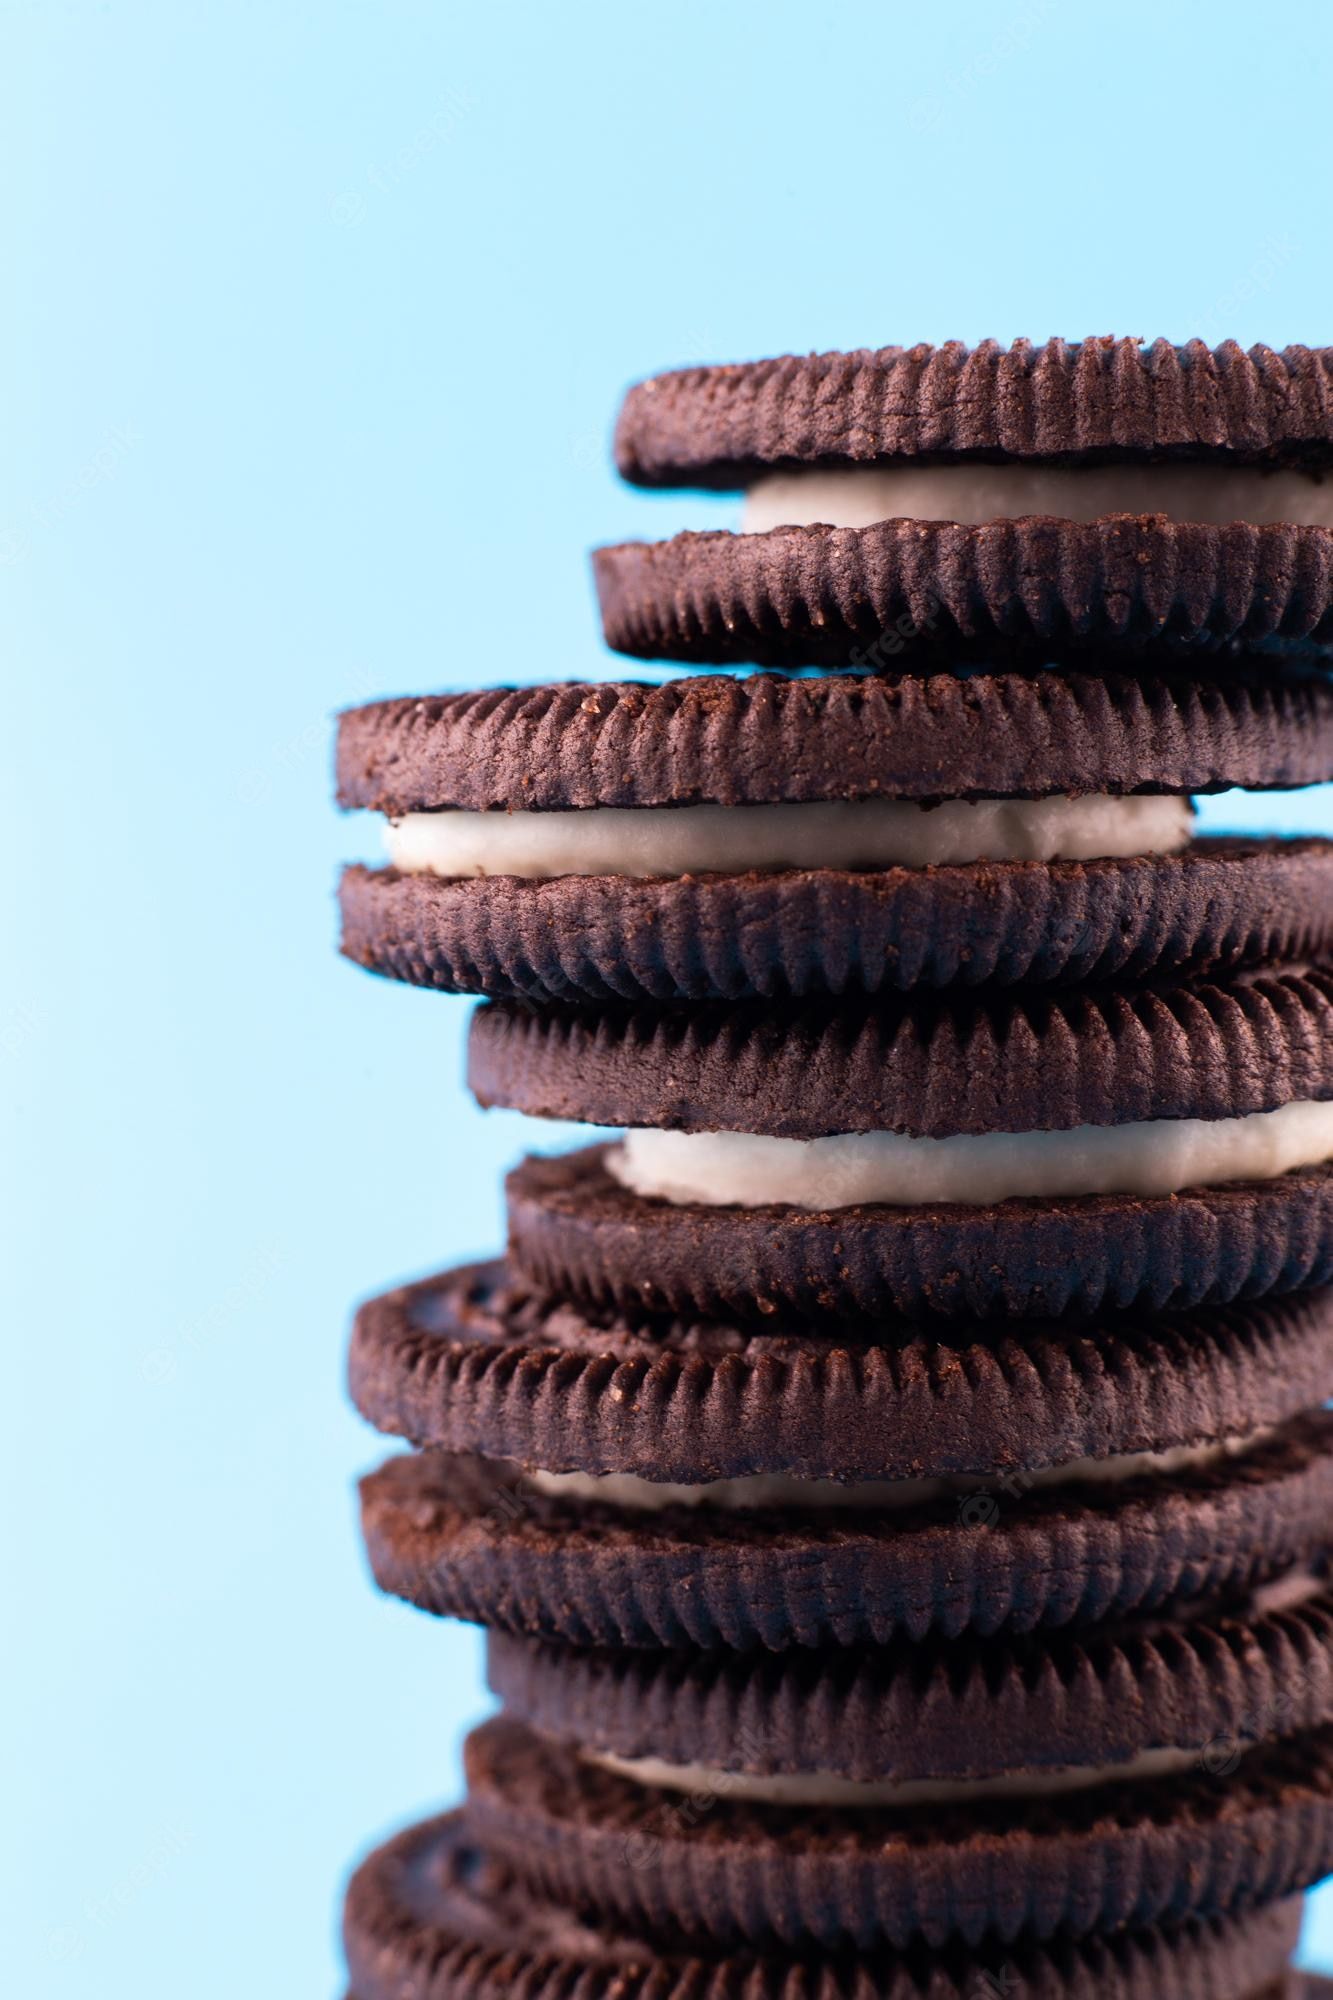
pixel 909 500
pixel 432 1916
pixel 763 836
pixel 435 1917
pixel 1094 402
pixel 475 1362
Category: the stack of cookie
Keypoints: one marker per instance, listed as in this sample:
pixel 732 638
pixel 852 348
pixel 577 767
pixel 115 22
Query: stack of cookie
pixel 895 1472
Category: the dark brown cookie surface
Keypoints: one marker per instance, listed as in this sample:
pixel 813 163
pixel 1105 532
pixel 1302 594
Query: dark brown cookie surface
pixel 474 1361
pixel 763 739
pixel 901 591
pixel 431 1916
pixel 928 1069
pixel 1066 402
pixel 464 1537
pixel 575 1230
pixel 1220 905
pixel 1209 1684
pixel 1126 1854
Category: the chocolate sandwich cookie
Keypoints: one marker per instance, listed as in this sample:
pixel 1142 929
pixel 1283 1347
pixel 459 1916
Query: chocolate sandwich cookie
pixel 923 1793
pixel 1026 1155
pixel 433 1916
pixel 906 500
pixel 725 838
pixel 777 1560
pixel 944 1753
pixel 713 1861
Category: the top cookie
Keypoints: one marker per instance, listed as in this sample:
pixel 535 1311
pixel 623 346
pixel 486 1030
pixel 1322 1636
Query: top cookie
pixel 916 500
pixel 1066 402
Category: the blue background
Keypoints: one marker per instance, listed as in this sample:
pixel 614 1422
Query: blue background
pixel 317 316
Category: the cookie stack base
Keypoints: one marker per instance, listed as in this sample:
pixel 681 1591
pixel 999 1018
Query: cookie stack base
pixel 430 1916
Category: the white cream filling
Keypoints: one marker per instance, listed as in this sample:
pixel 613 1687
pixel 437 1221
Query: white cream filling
pixel 779 1489
pixel 1288 1593
pixel 1154 1157
pixel 825 1788
pixel 861 834
pixel 857 496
